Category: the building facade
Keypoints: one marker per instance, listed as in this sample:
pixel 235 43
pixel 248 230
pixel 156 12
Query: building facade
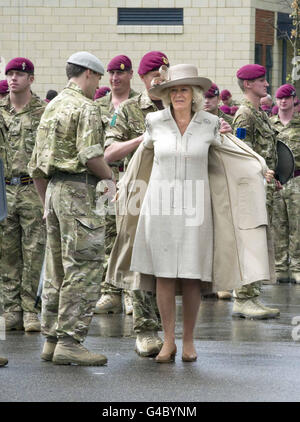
pixel 218 36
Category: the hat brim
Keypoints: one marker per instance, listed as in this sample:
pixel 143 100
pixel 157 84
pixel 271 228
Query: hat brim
pixel 203 83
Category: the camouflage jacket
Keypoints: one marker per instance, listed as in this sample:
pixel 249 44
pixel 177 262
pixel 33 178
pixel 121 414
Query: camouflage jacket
pixel 107 108
pixel 20 130
pixel 130 121
pixel 290 135
pixel 234 103
pixel 260 135
pixel 225 116
pixel 4 150
pixel 70 133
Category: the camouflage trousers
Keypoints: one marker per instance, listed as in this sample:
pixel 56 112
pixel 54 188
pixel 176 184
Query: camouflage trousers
pixel 286 227
pixel 23 246
pixel 1 283
pixel 110 236
pixel 74 259
pixel 252 290
pixel 2 320
pixel 145 312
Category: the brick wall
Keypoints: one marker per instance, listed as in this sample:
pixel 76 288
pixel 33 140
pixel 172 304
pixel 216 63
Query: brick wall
pixel 218 36
pixel 264 27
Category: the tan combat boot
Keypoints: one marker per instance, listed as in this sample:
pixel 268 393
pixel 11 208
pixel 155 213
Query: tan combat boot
pixel 13 321
pixel 282 276
pixel 48 349
pixel 274 311
pixel 128 303
pixel 225 295
pixel 69 351
pixel 253 309
pixel 109 304
pixel 148 343
pixel 31 322
pixel 3 361
pixel 295 278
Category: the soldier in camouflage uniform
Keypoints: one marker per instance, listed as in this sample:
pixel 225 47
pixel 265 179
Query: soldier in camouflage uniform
pixel 261 138
pixel 120 75
pixel 266 104
pixel 7 173
pixel 67 164
pixel 121 141
pixel 212 102
pixel 4 90
pixel 24 229
pixel 227 99
pixel 286 213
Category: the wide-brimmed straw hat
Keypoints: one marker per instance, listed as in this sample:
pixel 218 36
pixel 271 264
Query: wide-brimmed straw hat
pixel 180 74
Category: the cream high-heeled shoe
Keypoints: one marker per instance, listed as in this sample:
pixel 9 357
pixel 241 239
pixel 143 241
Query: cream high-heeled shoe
pixel 167 358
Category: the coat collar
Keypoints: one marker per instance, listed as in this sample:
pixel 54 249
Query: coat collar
pixel 199 117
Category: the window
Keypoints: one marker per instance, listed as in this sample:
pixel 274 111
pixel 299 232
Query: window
pixel 150 16
pixel 269 66
pixel 258 53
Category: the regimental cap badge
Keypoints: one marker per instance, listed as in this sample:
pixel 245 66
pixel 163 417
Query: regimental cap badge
pixel 122 66
pixel 23 65
pixel 165 60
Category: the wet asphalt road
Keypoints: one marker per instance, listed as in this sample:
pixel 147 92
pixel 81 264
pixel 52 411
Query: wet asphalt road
pixel 238 360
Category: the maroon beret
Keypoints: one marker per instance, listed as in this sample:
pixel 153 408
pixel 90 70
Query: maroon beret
pixel 226 109
pixel 251 71
pixel 233 110
pixel 212 92
pixel 4 87
pixel 152 61
pixel 20 63
pixel 285 90
pixel 101 92
pixel 225 94
pixel 275 110
pixel 119 63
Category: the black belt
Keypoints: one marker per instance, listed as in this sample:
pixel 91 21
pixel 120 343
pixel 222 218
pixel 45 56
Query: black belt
pixel 76 177
pixel 19 180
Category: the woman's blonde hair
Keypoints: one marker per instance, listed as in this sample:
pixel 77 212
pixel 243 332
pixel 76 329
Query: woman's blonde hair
pixel 198 98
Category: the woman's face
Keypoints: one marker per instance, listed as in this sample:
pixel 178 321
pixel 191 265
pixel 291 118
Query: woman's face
pixel 181 97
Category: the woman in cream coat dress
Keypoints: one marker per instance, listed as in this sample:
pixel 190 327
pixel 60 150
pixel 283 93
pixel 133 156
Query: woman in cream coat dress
pixel 174 236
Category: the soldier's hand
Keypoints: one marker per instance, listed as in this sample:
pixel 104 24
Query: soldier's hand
pixel 278 185
pixel 225 127
pixel 110 189
pixel 269 175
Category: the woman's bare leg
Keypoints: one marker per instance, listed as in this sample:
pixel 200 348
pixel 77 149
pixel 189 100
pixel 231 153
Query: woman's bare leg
pixel 191 297
pixel 165 296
